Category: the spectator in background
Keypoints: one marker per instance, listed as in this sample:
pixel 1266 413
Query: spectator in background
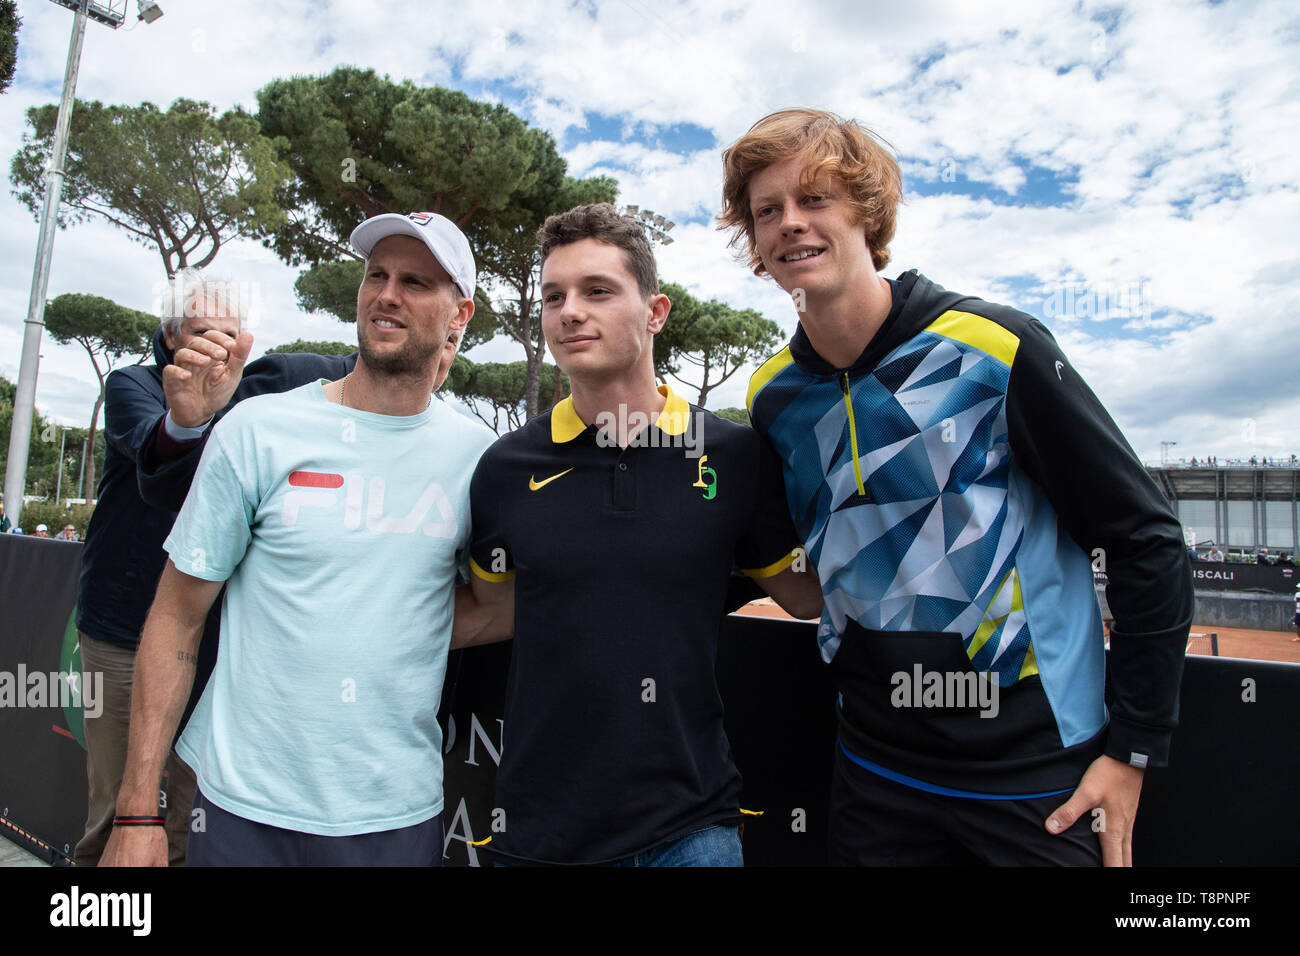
pixel 1284 561
pixel 123 559
pixel 69 533
pixel 41 531
pixel 1261 556
pixel 1296 620
pixel 1215 554
pixel 4 521
pixel 1192 555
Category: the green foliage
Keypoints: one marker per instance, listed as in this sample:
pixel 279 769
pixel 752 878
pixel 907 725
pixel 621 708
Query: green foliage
pixel 459 375
pixel 361 144
pixel 331 287
pixel 316 348
pixel 494 390
pixel 101 326
pixel 9 24
pixel 108 332
pixel 184 181
pixel 711 336
pixel 43 453
pixel 737 415
pixel 54 515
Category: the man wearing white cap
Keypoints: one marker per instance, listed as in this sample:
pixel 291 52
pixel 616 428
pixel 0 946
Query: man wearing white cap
pixel 323 508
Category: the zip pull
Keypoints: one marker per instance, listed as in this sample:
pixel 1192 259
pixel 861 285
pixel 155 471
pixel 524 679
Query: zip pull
pixel 853 433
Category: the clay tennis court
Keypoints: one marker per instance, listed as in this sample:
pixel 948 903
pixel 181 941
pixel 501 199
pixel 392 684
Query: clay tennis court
pixel 1233 642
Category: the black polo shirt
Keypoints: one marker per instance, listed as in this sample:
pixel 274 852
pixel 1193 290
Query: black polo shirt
pixel 621 557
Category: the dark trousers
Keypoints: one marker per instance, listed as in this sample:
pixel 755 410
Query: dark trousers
pixel 219 838
pixel 877 822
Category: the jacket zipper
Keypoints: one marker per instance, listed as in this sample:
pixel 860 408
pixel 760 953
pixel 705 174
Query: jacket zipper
pixel 853 434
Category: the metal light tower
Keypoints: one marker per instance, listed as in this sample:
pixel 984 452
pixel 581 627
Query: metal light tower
pixel 656 227
pixel 58 488
pixel 111 14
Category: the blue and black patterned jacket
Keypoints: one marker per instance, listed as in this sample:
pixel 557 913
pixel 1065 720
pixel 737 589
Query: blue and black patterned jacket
pixel 955 488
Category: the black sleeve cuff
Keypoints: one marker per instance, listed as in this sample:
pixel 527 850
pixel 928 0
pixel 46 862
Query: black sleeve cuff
pixel 1146 673
pixel 1138 746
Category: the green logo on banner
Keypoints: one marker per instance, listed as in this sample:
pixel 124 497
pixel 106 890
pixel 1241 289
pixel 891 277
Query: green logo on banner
pixel 70 664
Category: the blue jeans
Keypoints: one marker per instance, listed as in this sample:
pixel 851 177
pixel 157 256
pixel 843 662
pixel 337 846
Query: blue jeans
pixel 712 846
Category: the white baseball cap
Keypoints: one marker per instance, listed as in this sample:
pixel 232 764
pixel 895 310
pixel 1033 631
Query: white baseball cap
pixel 447 243
pixel 41 527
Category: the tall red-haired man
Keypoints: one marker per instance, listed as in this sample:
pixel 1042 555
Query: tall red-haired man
pixel 954 480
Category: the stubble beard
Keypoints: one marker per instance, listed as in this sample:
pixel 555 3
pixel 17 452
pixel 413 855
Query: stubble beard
pixel 407 362
pixel 413 360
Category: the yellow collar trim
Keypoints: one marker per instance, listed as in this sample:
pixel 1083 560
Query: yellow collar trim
pixel 672 420
pixel 565 423
pixel 676 414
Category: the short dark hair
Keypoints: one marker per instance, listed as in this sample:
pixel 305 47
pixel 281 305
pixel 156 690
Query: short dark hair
pixel 602 222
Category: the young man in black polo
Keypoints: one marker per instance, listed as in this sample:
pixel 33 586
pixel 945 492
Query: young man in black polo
pixel 613 521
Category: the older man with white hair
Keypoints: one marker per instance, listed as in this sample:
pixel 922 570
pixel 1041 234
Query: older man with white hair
pixel 123 557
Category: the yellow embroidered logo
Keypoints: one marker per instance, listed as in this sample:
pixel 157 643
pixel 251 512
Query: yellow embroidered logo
pixel 534 484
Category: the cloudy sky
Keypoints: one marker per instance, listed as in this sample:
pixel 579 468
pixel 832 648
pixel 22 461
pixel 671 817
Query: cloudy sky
pixel 1126 172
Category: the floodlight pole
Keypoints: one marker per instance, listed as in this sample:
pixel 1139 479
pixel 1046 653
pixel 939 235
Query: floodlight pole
pixel 20 433
pixel 58 488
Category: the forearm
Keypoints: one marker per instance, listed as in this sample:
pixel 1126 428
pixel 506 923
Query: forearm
pixel 796 589
pixel 165 469
pixel 164 674
pixel 479 621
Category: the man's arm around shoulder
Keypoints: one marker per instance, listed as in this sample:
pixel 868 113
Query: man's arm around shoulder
pixel 796 587
pixel 485 612
pixel 164 673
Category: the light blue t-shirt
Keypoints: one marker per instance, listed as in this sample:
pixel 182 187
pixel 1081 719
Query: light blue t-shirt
pixel 340 532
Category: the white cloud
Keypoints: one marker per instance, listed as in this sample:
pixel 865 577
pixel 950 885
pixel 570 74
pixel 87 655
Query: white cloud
pixel 1173 135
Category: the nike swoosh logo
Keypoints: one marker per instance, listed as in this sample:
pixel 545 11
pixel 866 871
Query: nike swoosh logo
pixel 534 484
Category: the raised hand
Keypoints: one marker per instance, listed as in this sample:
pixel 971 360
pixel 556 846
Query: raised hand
pixel 204 375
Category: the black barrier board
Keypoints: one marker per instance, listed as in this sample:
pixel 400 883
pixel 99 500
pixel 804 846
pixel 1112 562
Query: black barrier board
pixel 42 761
pixel 1228 797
